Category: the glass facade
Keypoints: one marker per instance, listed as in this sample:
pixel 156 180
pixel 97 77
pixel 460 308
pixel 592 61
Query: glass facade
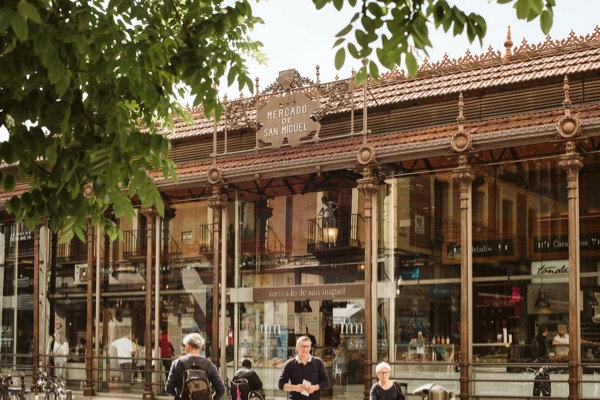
pixel 476 268
pixel 295 265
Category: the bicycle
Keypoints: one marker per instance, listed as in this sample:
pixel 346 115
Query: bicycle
pixel 53 387
pixel 19 393
pixel 5 382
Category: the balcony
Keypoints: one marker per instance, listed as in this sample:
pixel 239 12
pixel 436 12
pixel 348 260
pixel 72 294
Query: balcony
pixel 72 251
pixel 135 246
pixel 328 234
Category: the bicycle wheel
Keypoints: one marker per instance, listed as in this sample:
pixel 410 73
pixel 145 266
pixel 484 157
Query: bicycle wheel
pixel 19 396
pixel 53 396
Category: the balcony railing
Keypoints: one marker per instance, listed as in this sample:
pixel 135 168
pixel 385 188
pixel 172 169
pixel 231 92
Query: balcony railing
pixel 330 234
pixel 135 245
pixel 206 239
pixel 272 254
pixel 72 251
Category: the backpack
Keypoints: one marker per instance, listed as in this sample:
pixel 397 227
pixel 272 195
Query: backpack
pixel 243 387
pixel 196 384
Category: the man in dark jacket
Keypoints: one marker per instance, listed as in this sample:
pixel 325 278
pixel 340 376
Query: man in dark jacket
pixel 245 372
pixel 303 376
pixel 540 346
pixel 193 344
pixel 542 385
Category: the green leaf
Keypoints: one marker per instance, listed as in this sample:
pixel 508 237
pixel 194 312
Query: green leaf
pixel 5 17
pixel 338 42
pixel 14 205
pixel 377 10
pixel 411 64
pixel 522 7
pixel 353 50
pixel 10 182
pixel 28 11
pixel 536 6
pixel 320 3
pixel 546 21
pixel 374 70
pixel 361 38
pixel 340 58
pixel 19 27
pixel 344 31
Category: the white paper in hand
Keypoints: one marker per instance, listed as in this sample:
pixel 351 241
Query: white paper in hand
pixel 306 384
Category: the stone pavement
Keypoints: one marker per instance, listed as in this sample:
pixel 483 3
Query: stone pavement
pixel 351 392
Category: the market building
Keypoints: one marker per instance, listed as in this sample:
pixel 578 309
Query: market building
pixel 434 222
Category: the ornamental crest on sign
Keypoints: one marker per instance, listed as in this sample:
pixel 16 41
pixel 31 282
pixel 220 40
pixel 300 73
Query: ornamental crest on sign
pixel 286 78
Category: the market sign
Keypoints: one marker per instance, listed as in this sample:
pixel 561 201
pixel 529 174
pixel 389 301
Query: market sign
pixel 312 292
pixel 287 117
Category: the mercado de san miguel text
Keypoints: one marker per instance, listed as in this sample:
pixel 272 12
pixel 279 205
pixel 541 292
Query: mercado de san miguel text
pixel 439 223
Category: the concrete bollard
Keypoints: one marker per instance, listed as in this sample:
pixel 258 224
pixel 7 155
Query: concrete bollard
pixel 68 395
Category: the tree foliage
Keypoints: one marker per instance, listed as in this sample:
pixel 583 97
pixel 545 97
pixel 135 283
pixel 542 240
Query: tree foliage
pixel 391 29
pixel 79 80
pixel 87 87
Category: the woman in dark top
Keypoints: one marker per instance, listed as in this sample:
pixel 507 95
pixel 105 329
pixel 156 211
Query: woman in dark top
pixel 385 388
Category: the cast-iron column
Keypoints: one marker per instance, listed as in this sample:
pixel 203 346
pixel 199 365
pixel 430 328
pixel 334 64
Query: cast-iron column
pixel 148 394
pixel 368 186
pixel 217 201
pixel 35 360
pixel 464 176
pixel 88 390
pixel 572 162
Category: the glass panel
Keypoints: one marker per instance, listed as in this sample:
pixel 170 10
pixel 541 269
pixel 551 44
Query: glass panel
pixel 590 266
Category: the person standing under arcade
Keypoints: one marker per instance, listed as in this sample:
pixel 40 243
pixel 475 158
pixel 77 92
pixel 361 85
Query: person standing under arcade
pixel 303 376
pixel 166 351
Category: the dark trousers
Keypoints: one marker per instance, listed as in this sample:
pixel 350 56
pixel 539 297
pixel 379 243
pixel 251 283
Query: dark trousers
pixel 542 385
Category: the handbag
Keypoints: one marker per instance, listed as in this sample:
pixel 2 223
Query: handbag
pixel 399 394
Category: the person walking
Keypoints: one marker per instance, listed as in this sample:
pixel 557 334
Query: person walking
pixel 193 343
pixel 303 376
pixel 125 351
pixel 58 348
pixel 340 367
pixel 167 351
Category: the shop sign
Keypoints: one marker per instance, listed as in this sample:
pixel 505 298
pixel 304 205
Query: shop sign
pixel 313 292
pixel 23 282
pixel 440 292
pixel 287 117
pixel 485 248
pixel 587 241
pixel 496 300
pixel 550 270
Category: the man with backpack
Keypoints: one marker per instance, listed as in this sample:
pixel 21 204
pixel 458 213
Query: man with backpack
pixel 192 376
pixel 246 380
